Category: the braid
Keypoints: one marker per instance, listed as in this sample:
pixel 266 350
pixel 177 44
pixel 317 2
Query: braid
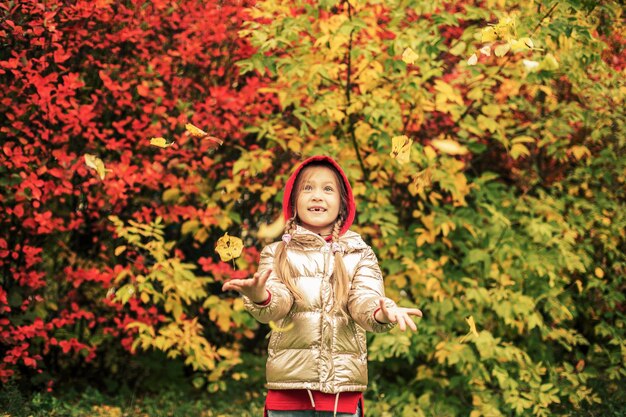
pixel 337 229
pixel 340 275
pixel 282 266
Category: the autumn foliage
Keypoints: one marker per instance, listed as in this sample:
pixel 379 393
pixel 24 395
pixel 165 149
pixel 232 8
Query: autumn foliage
pixel 484 140
pixel 98 80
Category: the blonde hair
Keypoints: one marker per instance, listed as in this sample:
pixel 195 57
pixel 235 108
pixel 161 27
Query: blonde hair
pixel 340 278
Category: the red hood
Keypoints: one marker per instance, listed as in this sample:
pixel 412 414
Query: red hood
pixel 287 206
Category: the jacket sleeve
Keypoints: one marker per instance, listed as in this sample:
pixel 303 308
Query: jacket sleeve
pixel 281 298
pixel 367 288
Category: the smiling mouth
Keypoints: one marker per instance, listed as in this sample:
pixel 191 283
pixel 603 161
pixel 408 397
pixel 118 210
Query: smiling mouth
pixel 317 209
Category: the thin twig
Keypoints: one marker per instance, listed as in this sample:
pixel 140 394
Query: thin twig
pixel 348 99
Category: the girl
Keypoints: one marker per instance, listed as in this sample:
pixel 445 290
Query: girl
pixel 322 286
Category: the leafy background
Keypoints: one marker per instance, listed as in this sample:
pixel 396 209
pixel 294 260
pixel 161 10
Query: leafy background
pixel 485 145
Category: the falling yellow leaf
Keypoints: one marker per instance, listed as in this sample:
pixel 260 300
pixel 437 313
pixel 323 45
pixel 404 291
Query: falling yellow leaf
pixel 273 230
pixel 449 146
pixel 195 131
pixel 401 149
pixel 96 164
pixel 119 250
pixel 199 133
pixel 409 56
pixel 160 142
pixel 229 247
pixel 277 329
pixel 599 272
pixel 472 60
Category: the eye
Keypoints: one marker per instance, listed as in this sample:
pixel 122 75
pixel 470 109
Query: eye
pixel 307 187
pixel 329 188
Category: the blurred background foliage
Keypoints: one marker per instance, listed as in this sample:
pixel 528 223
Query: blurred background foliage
pixel 485 145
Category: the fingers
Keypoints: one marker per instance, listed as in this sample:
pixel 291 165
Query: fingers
pixel 389 314
pixel 264 277
pixel 400 315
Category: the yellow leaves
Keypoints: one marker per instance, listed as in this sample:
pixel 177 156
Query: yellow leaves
pixel 160 142
pixel 370 77
pixel 472 60
pixel 199 133
pixel 409 56
pixel 472 329
pixel 401 149
pixel 502 49
pixel 96 164
pixel 229 247
pixel 598 272
pixel 448 99
pixel 488 34
pixel 549 63
pixel 335 115
pixel 449 146
pixel 194 131
pixel 421 181
pixel 518 148
pixel 220 312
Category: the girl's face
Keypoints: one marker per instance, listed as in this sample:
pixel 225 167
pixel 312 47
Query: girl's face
pixel 318 200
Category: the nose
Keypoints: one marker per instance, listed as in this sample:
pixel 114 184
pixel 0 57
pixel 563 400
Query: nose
pixel 316 195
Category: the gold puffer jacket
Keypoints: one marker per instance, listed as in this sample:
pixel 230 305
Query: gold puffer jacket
pixel 322 351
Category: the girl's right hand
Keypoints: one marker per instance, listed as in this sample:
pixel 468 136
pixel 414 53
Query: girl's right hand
pixel 253 288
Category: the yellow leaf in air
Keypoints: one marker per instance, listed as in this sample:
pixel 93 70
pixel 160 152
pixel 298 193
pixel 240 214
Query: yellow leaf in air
pixel 195 131
pixel 409 56
pixel 472 325
pixel 449 146
pixel 277 329
pixel 229 247
pixel 96 164
pixel 401 149
pixel 119 250
pixel 472 60
pixel 599 272
pixel 272 231
pixel 160 142
pixel 199 133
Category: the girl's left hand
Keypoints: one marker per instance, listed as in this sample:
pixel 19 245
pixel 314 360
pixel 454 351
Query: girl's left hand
pixel 398 315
